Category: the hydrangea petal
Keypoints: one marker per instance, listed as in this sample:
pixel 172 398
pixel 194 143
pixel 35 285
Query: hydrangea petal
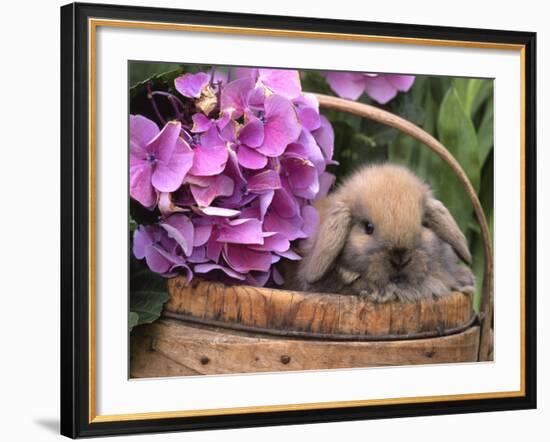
pixel 252 133
pixel 290 254
pixel 188 272
pixel 191 85
pixel 301 172
pixel 213 247
pixel 307 100
pixel 138 154
pixel 326 180
pixel 291 228
pixel 211 138
pixel 142 130
pixel 234 96
pixel 156 261
pixel 216 186
pixel 244 72
pixel 202 235
pixel 348 85
pixel 380 89
pixel 163 145
pixel 275 243
pixel 229 131
pixel 401 82
pixel 264 181
pixel 250 158
pixel 324 136
pixel 209 160
pixel 140 185
pixel 177 236
pixel 168 176
pixel 242 259
pixel 309 118
pixel 201 123
pixel 198 256
pixel 181 229
pixel 141 240
pixel 265 200
pixel 205 268
pixel 284 203
pixel 256 99
pixel 247 231
pixel 307 148
pixel 258 279
pixel 283 82
pixel 281 127
pixel 219 211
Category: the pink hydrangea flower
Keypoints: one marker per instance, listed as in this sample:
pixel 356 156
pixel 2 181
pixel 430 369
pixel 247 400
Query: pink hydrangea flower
pixel 255 165
pixel 159 160
pixel 380 87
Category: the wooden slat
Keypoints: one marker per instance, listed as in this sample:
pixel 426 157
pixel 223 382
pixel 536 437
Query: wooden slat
pixel 314 312
pixel 174 348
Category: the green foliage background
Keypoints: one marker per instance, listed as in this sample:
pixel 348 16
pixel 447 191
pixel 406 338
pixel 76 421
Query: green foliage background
pixel 456 111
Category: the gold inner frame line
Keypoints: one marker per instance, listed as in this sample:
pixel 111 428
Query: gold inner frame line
pixel 93 24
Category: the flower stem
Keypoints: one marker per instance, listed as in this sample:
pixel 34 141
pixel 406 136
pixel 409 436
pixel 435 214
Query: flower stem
pixel 170 97
pixel 212 72
pixel 153 102
pixel 188 136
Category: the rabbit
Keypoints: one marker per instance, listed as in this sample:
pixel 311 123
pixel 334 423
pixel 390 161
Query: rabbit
pixel 382 235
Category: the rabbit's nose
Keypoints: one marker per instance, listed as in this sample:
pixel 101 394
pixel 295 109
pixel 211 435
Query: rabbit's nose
pixel 399 259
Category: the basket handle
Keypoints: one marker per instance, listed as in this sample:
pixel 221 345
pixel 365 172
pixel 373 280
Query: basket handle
pixel 392 120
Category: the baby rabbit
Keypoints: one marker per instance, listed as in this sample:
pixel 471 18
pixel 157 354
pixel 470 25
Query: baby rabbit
pixel 384 236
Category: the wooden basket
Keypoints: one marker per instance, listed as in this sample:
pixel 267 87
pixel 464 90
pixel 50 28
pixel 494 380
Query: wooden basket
pixel 211 328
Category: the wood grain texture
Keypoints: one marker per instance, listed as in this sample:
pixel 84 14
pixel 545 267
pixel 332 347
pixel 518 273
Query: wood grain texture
pixel 314 312
pixel 174 348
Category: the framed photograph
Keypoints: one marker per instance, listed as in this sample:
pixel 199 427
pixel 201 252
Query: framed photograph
pixel 278 220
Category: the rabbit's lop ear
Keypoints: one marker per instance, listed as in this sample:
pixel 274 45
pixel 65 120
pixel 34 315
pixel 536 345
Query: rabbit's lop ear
pixel 328 242
pixel 442 223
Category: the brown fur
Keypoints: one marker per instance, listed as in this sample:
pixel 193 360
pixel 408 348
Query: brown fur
pixel 408 256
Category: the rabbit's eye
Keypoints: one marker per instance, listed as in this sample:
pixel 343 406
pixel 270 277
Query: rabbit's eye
pixel 425 224
pixel 369 227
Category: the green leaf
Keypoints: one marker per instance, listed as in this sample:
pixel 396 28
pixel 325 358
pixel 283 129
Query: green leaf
pixel 467 90
pixel 476 246
pixel 428 163
pixel 485 133
pixel 147 304
pixel 457 133
pixel 140 71
pixel 133 225
pixel 159 81
pixel 439 87
pixel 410 108
pixel 412 153
pixel 148 294
pixel 313 81
pixel 354 147
pixel 484 94
pixel 405 150
pixel 133 319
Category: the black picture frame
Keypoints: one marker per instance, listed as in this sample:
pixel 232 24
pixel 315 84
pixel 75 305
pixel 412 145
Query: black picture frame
pixel 75 219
